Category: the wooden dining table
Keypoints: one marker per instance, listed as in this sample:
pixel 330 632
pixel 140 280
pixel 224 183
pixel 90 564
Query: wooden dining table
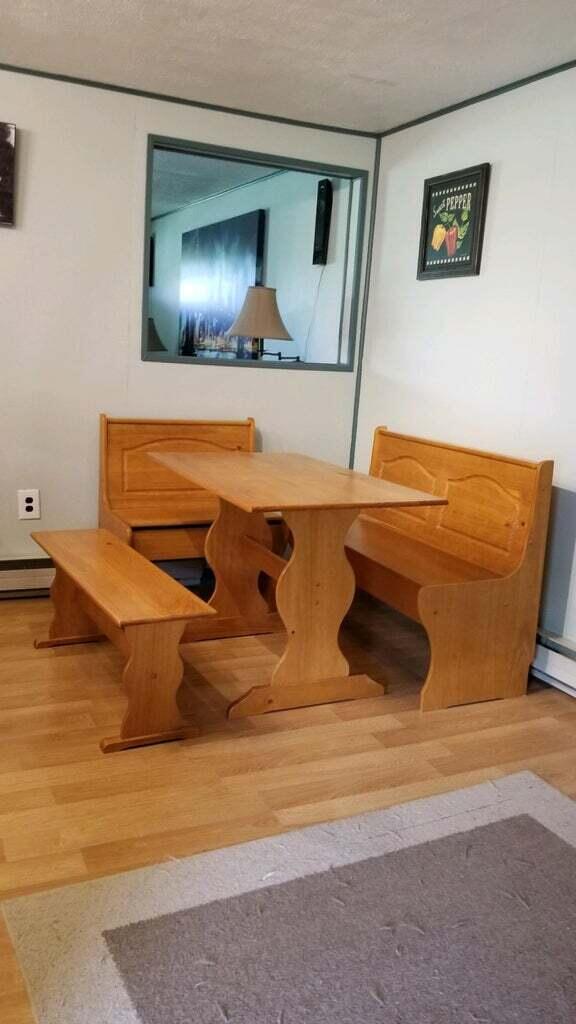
pixel 315 585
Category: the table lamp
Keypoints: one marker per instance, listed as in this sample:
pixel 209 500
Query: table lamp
pixel 260 318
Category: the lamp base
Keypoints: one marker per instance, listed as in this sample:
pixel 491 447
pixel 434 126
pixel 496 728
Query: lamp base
pixel 258 345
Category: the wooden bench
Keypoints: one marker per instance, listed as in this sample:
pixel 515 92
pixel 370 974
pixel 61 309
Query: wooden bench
pixel 469 571
pixel 104 587
pixel 146 504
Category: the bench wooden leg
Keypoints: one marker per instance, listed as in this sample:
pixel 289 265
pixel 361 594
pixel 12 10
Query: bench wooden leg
pixel 481 643
pixel 70 624
pixel 152 677
pixel 313 594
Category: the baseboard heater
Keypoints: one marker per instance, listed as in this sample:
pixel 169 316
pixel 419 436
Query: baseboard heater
pixel 555 662
pixel 21 577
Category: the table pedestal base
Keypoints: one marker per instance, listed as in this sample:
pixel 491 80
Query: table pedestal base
pixel 262 699
pixel 315 588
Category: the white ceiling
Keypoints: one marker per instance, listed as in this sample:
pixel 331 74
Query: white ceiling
pixel 367 64
pixel 179 179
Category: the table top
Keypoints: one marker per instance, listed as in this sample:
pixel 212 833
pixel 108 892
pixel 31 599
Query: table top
pixel 270 482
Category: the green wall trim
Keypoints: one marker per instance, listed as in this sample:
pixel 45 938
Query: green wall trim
pixel 491 94
pixel 295 122
pixel 248 364
pixel 199 104
pixel 365 301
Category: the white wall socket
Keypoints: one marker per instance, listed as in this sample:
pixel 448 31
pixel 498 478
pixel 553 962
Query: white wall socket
pixel 29 503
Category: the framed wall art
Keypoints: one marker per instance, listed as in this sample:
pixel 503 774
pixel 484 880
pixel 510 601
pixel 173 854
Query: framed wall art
pixel 7 173
pixel 219 262
pixel 453 215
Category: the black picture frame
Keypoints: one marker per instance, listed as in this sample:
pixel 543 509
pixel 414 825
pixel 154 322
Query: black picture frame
pixel 452 227
pixel 7 174
pixel 152 262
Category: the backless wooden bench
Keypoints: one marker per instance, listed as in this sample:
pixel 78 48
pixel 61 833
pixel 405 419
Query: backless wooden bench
pixel 102 586
pixel 469 571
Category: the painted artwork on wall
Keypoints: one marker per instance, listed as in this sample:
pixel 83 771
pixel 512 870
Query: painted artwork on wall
pixel 219 262
pixel 7 173
pixel 453 215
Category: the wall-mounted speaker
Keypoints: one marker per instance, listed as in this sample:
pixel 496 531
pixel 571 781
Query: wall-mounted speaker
pixel 323 218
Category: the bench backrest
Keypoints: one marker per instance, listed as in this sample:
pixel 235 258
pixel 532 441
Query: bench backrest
pixel 492 499
pixel 131 480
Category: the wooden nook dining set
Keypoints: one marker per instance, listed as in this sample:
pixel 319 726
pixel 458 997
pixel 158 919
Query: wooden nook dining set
pixel 451 537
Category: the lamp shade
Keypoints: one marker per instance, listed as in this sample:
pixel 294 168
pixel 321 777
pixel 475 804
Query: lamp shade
pixel 259 316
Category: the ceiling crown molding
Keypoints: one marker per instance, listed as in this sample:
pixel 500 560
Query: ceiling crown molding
pixel 200 104
pixel 491 94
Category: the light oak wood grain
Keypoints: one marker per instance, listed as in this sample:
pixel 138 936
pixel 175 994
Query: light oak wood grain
pixel 238 604
pixel 152 678
pixel 14 1005
pixel 315 587
pixel 104 587
pixel 470 571
pixel 170 543
pixel 127 588
pixel 68 813
pixel 314 592
pixel 139 500
pixel 236 591
pixel 313 595
pixel 268 481
pixel 490 498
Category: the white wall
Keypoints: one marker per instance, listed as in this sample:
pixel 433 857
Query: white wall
pixel 70 299
pixel 309 297
pixel 487 361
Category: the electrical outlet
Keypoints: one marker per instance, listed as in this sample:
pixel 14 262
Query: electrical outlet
pixel 29 503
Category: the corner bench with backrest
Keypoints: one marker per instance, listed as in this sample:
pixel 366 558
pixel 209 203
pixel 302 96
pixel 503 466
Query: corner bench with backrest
pixel 470 571
pixel 145 504
pixel 102 586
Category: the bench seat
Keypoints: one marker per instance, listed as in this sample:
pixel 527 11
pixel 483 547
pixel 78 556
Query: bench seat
pixel 469 571
pixel 397 566
pixel 104 587
pixel 158 517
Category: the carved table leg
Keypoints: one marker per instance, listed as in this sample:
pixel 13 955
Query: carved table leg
pixel 242 610
pixel 152 677
pixel 70 624
pixel 313 594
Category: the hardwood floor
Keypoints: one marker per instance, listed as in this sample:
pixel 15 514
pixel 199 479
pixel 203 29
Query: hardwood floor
pixel 69 813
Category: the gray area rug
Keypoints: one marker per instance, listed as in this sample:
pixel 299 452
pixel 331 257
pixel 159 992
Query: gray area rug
pixel 458 909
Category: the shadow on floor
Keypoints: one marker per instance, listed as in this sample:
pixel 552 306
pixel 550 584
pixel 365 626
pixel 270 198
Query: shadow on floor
pixel 388 636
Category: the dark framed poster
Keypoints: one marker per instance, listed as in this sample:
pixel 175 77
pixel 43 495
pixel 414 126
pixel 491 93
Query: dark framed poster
pixel 219 262
pixel 453 215
pixel 7 173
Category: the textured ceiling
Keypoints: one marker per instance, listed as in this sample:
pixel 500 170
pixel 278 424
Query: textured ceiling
pixel 179 179
pixel 367 64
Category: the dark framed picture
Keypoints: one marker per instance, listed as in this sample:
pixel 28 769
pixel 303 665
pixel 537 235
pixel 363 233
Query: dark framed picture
pixel 453 215
pixel 7 173
pixel 152 262
pixel 219 262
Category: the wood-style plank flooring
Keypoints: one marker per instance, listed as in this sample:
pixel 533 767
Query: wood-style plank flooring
pixel 69 813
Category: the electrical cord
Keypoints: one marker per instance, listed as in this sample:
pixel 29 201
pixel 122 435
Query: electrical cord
pixel 314 310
